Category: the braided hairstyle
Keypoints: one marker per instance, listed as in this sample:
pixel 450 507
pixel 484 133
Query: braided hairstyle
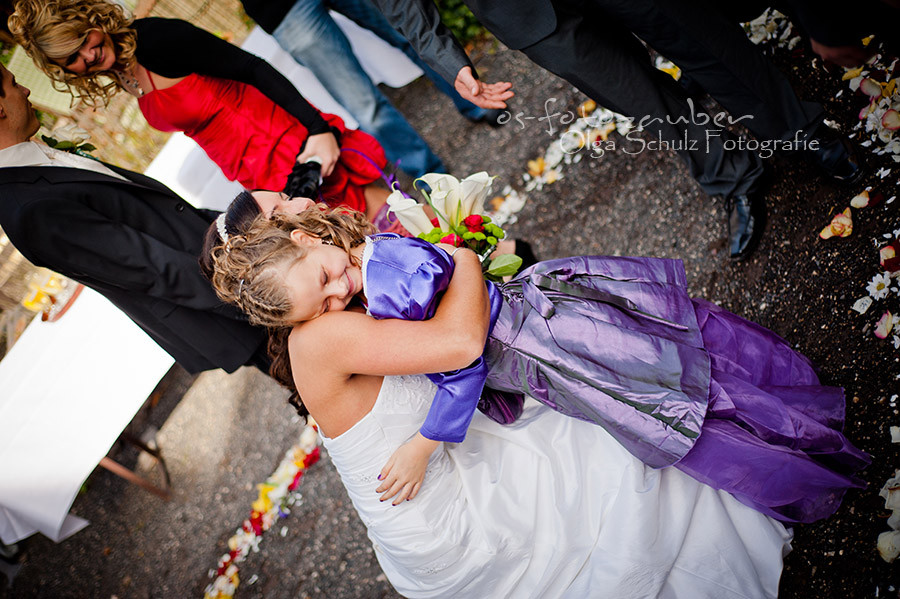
pixel 242 211
pixel 52 30
pixel 248 271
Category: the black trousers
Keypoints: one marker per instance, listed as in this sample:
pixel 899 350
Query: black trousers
pixel 594 47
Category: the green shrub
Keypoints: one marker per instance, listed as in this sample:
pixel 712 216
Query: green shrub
pixel 460 20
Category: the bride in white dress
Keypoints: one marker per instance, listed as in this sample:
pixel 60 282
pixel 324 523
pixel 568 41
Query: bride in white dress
pixel 548 507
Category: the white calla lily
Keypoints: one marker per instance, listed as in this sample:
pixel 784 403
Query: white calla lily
pixel 444 197
pixel 473 191
pixel 410 213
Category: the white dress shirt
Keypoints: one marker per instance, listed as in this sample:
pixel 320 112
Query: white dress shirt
pixel 30 153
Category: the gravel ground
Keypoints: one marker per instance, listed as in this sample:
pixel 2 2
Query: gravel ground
pixel 221 434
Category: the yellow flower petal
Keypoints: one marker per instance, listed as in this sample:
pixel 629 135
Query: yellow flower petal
pixel 851 73
pixel 536 167
pixel 840 226
pixel 587 107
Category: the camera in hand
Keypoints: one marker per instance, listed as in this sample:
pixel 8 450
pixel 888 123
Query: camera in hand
pixel 305 179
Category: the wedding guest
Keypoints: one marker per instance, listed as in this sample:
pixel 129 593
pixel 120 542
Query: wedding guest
pixel 248 117
pixel 121 233
pixel 593 46
pixel 306 31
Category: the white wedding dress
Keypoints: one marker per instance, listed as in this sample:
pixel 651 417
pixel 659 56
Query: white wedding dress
pixel 548 507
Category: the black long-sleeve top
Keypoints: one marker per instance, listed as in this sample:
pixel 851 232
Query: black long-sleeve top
pixel 175 48
pixel 268 14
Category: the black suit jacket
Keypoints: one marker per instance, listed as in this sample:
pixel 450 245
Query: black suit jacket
pixel 137 243
pixel 516 23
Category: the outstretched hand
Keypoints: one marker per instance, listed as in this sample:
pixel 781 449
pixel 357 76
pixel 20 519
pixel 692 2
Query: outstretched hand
pixel 486 95
pixel 404 472
pixel 323 145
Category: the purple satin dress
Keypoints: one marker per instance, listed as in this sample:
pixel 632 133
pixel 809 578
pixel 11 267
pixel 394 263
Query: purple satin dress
pixel 618 342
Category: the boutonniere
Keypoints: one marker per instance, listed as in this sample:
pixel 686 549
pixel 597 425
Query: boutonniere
pixel 70 138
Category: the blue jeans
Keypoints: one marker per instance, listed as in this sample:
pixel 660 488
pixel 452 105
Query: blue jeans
pixel 313 39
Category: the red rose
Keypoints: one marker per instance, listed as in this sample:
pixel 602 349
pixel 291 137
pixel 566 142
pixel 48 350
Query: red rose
pixel 452 239
pixel 473 220
pixel 436 223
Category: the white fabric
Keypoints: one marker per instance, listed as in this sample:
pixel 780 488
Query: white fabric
pixel 69 389
pixel 549 507
pixel 186 169
pixel 30 153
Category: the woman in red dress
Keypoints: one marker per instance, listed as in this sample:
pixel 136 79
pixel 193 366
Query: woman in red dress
pixel 248 118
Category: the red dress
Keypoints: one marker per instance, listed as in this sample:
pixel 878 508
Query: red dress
pixel 253 140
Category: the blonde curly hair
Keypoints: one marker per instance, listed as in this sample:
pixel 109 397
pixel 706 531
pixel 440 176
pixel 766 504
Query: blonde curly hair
pixel 51 31
pixel 248 269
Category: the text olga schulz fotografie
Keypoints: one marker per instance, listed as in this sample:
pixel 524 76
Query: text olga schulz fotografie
pixel 576 139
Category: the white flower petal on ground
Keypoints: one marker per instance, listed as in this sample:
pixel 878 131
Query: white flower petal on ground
pixel 860 200
pixel 891 492
pixel 862 304
pixel 889 545
pixel 879 286
pixel 410 213
pixel 895 434
pixel 884 325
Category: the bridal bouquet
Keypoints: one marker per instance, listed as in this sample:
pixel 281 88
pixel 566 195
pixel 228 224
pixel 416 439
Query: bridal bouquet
pixel 459 219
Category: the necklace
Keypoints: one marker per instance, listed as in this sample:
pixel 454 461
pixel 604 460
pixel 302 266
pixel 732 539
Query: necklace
pixel 130 82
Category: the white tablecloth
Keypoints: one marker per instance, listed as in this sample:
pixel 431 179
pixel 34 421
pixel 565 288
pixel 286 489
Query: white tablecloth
pixel 67 390
pixel 184 166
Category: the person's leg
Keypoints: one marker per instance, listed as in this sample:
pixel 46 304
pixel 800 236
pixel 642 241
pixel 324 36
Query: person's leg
pixel 314 40
pixel 712 48
pixel 707 42
pixel 608 64
pixel 364 14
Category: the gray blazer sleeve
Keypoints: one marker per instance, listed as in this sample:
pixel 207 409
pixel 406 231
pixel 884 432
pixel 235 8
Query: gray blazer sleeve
pixel 420 22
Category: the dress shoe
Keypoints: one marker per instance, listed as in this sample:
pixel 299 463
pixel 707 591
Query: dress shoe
pixel 837 156
pixel 746 214
pixel 491 116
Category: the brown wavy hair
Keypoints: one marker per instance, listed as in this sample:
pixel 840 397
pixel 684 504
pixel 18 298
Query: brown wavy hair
pixel 248 271
pixel 52 30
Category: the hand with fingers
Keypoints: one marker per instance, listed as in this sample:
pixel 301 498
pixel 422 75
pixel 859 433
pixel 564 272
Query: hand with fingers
pixel 325 147
pixel 486 95
pixel 402 476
